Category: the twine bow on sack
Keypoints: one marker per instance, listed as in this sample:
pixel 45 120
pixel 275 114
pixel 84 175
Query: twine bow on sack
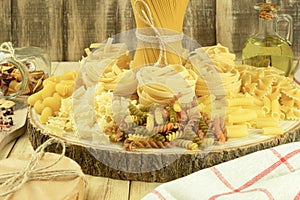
pixel 162 40
pixel 11 182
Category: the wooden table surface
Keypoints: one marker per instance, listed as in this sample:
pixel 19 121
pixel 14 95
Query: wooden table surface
pixel 98 187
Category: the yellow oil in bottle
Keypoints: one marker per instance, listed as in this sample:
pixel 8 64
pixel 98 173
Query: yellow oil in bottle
pixel 269 51
pixel 267 48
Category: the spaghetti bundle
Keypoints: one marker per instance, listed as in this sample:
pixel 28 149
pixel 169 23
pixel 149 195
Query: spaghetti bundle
pixel 159 31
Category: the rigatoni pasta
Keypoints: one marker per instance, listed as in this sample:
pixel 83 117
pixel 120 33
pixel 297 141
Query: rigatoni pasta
pixel 240 101
pixel 275 109
pixel 236 131
pixel 274 130
pixel 246 115
pixel 266 122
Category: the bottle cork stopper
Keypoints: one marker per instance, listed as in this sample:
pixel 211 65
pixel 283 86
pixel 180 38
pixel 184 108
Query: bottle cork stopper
pixel 267 11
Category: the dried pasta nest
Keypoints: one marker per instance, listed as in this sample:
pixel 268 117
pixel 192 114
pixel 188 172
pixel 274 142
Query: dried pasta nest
pixel 229 84
pixel 215 66
pixel 159 85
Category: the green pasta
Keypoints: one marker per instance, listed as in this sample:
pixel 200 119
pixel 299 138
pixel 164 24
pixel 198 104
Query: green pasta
pixel 198 141
pixel 173 114
pixel 135 111
pixel 159 137
pixel 147 108
pixel 203 126
pixel 140 120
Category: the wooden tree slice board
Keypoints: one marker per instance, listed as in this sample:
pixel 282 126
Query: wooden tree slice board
pixel 152 165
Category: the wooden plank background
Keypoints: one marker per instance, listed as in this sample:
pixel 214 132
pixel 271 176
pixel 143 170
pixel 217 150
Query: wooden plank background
pixel 66 27
pixel 5 19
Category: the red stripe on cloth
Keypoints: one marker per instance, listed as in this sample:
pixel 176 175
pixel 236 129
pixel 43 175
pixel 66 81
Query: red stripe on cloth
pixel 297 197
pixel 262 190
pixel 158 194
pixel 289 166
pixel 254 179
pixel 269 170
pixel 221 178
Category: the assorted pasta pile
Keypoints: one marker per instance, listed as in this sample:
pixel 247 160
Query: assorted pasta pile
pixel 165 96
pixel 162 107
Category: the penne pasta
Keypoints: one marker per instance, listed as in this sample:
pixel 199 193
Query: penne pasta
pixel 260 113
pixel 234 110
pixel 242 101
pixel 248 124
pixel 274 130
pixel 282 115
pixel 236 131
pixel 275 111
pixel 245 116
pixel 266 122
pixel 266 105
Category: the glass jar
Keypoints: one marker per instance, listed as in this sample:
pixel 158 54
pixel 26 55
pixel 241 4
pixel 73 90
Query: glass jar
pixel 267 48
pixel 22 70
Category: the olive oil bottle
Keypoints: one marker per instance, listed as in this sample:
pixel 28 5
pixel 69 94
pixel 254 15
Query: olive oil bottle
pixel 267 47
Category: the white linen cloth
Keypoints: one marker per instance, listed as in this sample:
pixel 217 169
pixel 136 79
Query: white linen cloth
pixel 268 174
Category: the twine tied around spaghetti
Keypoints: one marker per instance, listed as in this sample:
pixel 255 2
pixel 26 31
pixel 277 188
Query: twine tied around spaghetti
pixel 163 40
pixel 11 182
